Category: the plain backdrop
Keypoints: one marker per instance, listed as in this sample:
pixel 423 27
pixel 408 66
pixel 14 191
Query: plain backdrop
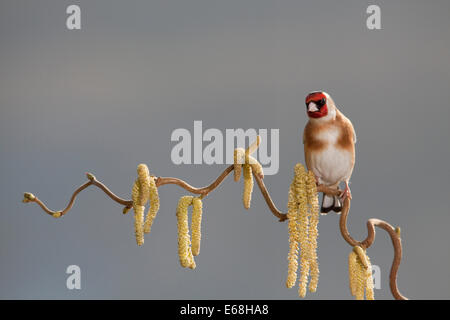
pixel 107 97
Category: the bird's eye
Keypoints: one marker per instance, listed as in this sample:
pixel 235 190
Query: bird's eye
pixel 322 102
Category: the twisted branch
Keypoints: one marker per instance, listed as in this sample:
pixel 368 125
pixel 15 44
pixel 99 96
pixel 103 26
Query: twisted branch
pixel 394 233
pixel 160 181
pixel 29 197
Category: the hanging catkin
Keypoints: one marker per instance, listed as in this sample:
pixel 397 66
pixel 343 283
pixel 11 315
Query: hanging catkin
pixel 197 210
pixel 243 161
pixel 293 237
pixel 138 214
pixel 140 195
pixel 313 202
pixel 360 274
pixel 184 240
pixel 248 186
pixel 352 272
pixel 144 184
pixel 303 225
pixel 154 205
pixel 303 215
pixel 369 283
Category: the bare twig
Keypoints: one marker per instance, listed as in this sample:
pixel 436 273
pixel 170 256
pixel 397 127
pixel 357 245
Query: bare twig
pixel 29 197
pixel 160 181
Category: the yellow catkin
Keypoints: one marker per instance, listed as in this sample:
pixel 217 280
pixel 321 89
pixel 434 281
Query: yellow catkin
pixel 192 265
pixel 248 186
pixel 197 210
pixel 303 215
pixel 360 274
pixel 138 214
pixel 138 223
pixel 140 196
pixel 313 202
pixel 369 282
pixel 154 205
pixel 249 165
pixel 361 255
pixel 135 193
pixel 144 184
pixel 184 241
pixel 239 155
pixel 303 225
pixel 293 237
pixel 360 280
pixel 352 265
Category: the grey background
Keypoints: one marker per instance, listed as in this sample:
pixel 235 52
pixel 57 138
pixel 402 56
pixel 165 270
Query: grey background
pixel 107 97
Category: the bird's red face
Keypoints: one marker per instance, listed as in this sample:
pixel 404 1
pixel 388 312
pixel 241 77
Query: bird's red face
pixel 316 105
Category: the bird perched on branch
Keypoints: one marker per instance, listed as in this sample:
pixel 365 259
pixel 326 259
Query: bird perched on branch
pixel 329 144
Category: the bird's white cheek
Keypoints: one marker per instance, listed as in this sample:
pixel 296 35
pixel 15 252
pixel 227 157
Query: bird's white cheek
pixel 312 107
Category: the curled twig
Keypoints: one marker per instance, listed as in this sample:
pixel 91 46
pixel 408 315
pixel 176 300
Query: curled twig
pixel 394 233
pixel 29 197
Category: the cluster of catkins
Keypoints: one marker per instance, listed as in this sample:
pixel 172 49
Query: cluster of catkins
pixel 187 249
pixel 244 162
pixel 303 215
pixel 144 190
pixel 360 274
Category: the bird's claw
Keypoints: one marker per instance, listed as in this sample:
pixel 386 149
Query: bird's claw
pixel 346 193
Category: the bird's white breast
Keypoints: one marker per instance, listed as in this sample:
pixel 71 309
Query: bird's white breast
pixel 332 164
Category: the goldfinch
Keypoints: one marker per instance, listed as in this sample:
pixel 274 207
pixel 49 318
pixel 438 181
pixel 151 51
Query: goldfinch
pixel 329 144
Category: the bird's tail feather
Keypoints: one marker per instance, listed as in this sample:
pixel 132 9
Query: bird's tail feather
pixel 327 204
pixel 337 207
pixel 330 203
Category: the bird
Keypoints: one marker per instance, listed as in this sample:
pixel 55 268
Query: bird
pixel 329 145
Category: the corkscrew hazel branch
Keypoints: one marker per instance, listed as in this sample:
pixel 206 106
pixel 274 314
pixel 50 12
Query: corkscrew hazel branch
pixel 394 233
pixel 29 197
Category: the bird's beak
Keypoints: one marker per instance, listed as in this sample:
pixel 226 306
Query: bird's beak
pixel 312 107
